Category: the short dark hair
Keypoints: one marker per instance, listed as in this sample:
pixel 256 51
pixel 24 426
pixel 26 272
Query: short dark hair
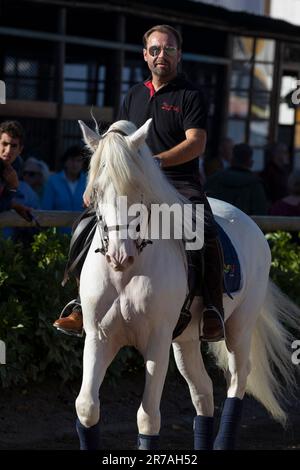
pixel 73 152
pixel 163 28
pixel 14 129
pixel 241 154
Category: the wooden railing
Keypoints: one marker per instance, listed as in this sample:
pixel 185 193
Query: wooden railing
pixel 44 218
pixel 66 219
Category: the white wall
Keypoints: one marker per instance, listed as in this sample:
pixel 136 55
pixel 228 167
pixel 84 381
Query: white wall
pixel 288 10
pixel 250 6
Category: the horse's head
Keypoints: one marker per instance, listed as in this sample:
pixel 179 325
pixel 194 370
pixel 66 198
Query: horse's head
pixel 119 231
pixel 113 188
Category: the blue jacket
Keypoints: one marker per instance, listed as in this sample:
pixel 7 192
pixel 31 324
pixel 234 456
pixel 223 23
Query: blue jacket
pixel 5 198
pixel 58 196
pixel 26 196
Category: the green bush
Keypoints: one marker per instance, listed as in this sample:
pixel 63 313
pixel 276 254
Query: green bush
pixel 285 269
pixel 31 298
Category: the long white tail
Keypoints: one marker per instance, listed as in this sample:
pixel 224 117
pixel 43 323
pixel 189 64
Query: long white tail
pixel 273 375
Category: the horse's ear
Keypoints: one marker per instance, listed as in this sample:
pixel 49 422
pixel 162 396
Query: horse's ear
pixel 139 136
pixel 90 137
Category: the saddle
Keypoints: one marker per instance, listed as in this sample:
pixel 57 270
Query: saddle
pixel 83 231
pixel 195 261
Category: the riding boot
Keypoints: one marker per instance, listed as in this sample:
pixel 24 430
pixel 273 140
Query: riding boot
pixel 70 321
pixel 213 313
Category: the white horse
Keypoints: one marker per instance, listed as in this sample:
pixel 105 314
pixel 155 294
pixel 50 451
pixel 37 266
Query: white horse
pixel 133 297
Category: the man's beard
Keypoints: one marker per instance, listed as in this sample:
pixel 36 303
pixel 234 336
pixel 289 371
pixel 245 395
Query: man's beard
pixel 161 72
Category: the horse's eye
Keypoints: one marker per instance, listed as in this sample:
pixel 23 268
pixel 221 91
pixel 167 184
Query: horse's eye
pixel 105 228
pixel 138 228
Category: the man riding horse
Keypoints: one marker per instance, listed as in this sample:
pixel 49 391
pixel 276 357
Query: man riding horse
pixel 177 138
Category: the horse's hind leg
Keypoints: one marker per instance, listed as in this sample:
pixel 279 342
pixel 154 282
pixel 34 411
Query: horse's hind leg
pixel 189 361
pixel 148 416
pixel 239 328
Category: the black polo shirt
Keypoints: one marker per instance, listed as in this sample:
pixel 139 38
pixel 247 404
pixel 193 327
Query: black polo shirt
pixel 175 108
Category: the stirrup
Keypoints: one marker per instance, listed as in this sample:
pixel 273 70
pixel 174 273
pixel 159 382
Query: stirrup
pixel 73 302
pixel 70 332
pixel 221 336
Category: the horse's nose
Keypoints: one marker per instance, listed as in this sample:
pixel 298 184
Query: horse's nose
pixel 117 264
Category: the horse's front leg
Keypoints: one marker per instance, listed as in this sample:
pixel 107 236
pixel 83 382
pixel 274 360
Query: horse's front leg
pixel 157 360
pixel 99 351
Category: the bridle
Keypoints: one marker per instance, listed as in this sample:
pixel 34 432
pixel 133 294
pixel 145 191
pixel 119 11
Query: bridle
pixel 104 230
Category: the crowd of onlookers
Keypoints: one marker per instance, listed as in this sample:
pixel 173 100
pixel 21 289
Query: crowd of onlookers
pixel 274 191
pixel 26 185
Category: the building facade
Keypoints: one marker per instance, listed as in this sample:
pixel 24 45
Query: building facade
pixel 59 59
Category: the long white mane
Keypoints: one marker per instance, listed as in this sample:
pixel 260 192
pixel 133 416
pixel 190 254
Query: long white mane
pixel 126 162
pixel 132 171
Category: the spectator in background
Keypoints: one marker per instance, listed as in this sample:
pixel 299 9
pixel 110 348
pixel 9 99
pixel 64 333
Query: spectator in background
pixel 289 206
pixel 64 190
pixel 238 185
pixel 222 160
pixel 11 145
pixel 36 173
pixel 276 172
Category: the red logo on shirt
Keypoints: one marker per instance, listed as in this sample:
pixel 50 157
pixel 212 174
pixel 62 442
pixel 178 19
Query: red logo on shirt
pixel 170 107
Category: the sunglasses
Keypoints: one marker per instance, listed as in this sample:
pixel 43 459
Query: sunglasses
pixel 170 51
pixel 31 173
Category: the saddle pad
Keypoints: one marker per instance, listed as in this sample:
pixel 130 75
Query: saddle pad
pixel 232 267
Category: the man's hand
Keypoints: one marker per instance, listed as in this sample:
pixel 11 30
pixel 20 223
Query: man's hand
pixel 10 177
pixel 23 211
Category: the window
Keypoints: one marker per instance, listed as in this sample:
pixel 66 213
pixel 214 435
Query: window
pixel 251 83
pixel 28 79
pixel 132 73
pixel 84 83
pixel 75 83
pixel 237 130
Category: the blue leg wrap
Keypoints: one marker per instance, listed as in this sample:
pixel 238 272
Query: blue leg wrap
pixel 89 438
pixel 229 424
pixel 203 432
pixel 147 442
